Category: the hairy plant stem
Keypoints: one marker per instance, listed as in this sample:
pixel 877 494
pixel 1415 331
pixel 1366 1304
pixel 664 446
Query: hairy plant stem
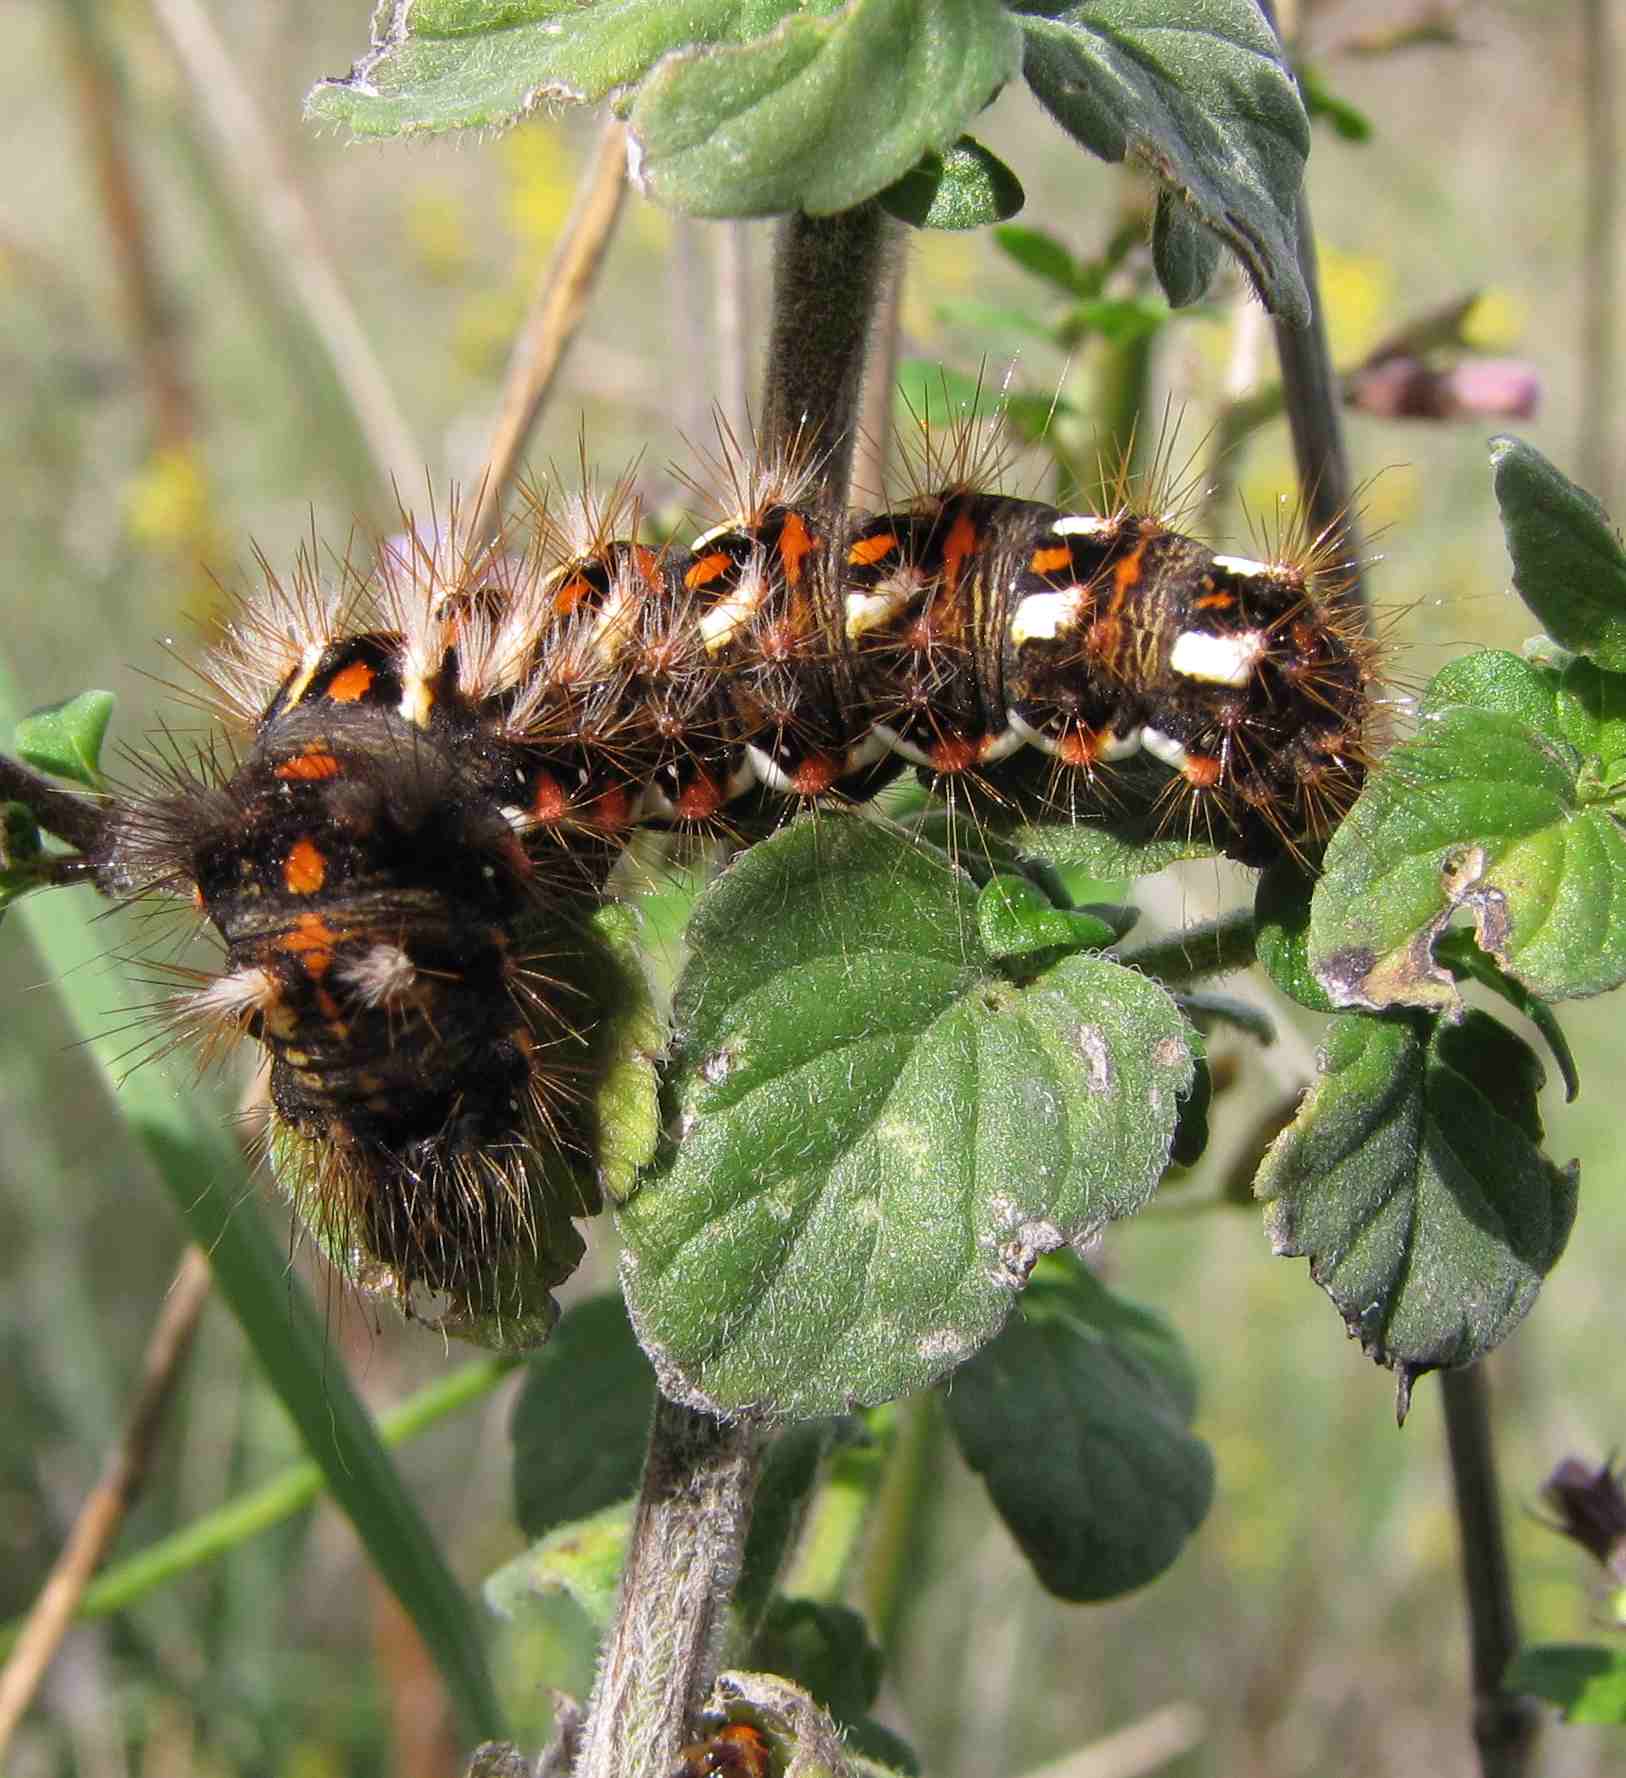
pixel 827 279
pixel 700 1475
pixel 682 1562
pixel 1504 1727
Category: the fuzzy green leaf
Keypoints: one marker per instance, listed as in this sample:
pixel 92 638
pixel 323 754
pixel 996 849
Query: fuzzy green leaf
pixel 828 109
pixel 824 1648
pixel 879 1128
pixel 1413 1181
pixel 1281 910
pixel 1078 1419
pixel 1197 91
pixel 471 64
pixel 1185 255
pixel 66 739
pixel 581 1420
pixel 1510 808
pixel 1042 256
pixel 966 186
pixel 1586 1680
pixel 1568 563
pixel 582 1560
pixel 1015 918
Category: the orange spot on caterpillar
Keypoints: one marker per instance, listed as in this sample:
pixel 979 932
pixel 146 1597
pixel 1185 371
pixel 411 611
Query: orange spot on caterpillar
pixel 869 550
pixel 311 942
pixel 350 684
pixel 611 810
pixel 304 871
pixel 738 1750
pixel 796 543
pixel 954 754
pixel 1127 570
pixel 1050 561
pixel 309 767
pixel 1215 601
pixel 570 595
pixel 699 800
pixel 814 775
pixel 1202 771
pixel 708 569
pixel 548 800
pixel 1078 747
pixel 959 547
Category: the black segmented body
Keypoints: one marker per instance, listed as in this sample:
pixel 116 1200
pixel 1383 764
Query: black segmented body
pixel 442 770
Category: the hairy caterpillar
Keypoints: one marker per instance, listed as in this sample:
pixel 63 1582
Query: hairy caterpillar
pixel 438 761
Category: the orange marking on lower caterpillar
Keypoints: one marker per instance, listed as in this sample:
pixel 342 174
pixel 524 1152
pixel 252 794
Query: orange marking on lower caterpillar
pixel 304 871
pixel 647 563
pixel 611 810
pixel 1050 561
pixel 700 800
pixel 309 767
pixel 352 683
pixel 1202 771
pixel 869 550
pixel 548 800
pixel 814 775
pixel 959 547
pixel 738 1750
pixel 708 569
pixel 954 755
pixel 328 1007
pixel 1078 747
pixel 796 542
pixel 1215 601
pixel 312 942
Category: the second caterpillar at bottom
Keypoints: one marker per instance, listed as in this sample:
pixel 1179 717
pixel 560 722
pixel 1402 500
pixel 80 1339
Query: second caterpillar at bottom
pixel 436 763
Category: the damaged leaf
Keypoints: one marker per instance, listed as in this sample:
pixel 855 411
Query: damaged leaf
pixel 878 1127
pixel 1506 808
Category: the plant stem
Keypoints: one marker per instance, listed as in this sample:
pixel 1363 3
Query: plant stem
pixel 827 276
pixel 700 1474
pixel 69 815
pixel 1504 1726
pixel 682 1562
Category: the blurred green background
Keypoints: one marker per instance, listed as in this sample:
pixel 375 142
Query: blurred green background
pixel 167 406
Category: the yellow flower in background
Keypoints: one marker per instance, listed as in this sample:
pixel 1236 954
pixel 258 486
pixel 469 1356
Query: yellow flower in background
pixel 1359 292
pixel 1496 322
pixel 166 502
pixel 437 235
pixel 541 184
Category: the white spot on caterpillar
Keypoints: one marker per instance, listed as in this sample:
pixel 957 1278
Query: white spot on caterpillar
pixel 1244 568
pixel 1165 748
pixel 1042 617
pixel 1110 746
pixel 382 973
pixel 1080 524
pixel 868 611
pixel 1215 659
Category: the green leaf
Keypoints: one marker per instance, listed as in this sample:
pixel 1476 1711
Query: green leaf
pixel 879 1129
pixel 581 1420
pixel 1568 564
pixel 825 111
pixel 966 186
pixel 23 859
pixel 1413 1182
pixel 1508 809
pixel 1321 101
pixel 1281 910
pixel 826 1649
pixel 66 739
pixel 1586 1680
pixel 1015 918
pixel 1197 91
pixel 1458 952
pixel 582 1560
pixel 1043 256
pixel 1185 255
pixel 471 64
pixel 1078 1419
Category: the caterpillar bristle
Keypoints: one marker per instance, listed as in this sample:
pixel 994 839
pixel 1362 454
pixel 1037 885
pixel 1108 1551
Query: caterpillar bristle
pixel 435 753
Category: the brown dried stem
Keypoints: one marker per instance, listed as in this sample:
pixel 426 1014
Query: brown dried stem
pixel 104 1512
pixel 556 313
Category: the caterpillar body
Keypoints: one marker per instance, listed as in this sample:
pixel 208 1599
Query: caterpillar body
pixel 444 756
